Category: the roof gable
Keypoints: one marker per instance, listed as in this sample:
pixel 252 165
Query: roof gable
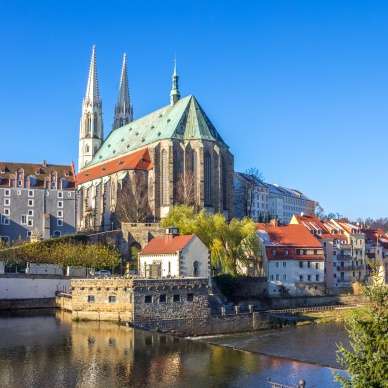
pixel 161 245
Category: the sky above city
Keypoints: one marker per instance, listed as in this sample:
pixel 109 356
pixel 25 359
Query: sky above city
pixel 298 89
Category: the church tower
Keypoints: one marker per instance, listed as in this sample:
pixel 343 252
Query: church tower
pixel 91 126
pixel 123 109
pixel 175 94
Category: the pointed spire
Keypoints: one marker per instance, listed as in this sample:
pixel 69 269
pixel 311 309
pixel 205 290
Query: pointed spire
pixel 123 109
pixel 92 93
pixel 175 94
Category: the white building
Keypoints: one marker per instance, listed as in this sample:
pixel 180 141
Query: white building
pixel 295 258
pixel 174 256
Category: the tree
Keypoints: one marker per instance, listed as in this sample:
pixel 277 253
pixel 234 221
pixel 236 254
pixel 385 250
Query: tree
pixel 367 363
pixel 250 179
pixel 132 202
pixel 318 210
pixel 231 245
pixel 185 189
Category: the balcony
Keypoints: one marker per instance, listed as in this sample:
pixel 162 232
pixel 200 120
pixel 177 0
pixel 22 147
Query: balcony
pixel 350 268
pixel 345 257
pixel 344 246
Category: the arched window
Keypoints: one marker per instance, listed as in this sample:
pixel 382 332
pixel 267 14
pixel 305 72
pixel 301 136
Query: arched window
pixel 87 148
pixel 208 179
pixel 121 122
pixel 165 196
pixel 95 124
pixel 176 168
pixel 223 186
pixel 193 168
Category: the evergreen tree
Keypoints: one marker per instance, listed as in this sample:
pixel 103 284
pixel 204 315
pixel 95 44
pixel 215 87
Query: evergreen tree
pixel 367 363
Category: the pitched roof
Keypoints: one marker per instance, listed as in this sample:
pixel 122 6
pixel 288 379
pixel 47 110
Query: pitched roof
pixel 161 245
pixel 37 172
pixel 139 160
pixel 289 235
pixel 185 120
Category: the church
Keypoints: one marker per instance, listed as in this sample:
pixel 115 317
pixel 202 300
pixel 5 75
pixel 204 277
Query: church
pixel 146 166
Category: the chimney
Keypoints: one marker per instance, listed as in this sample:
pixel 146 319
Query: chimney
pixel 171 232
pixel 44 163
pixel 274 222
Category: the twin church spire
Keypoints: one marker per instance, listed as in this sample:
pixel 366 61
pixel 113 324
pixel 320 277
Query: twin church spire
pixel 91 125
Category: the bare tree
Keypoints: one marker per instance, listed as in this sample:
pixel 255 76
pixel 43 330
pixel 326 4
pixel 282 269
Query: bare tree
pixel 251 178
pixel 318 210
pixel 185 189
pixel 132 201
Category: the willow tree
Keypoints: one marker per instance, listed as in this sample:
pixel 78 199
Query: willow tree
pixel 232 245
pixel 367 362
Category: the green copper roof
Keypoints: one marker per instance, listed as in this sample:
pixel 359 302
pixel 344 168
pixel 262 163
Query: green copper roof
pixel 185 120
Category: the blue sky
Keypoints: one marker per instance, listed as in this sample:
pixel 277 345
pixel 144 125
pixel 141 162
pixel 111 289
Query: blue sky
pixel 298 89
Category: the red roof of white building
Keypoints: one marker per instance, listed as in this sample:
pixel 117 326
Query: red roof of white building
pixel 165 245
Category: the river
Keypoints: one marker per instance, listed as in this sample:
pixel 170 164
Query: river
pixel 45 348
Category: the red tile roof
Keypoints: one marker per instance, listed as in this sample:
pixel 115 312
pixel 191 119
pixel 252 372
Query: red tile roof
pixel 291 235
pixel 8 170
pixel 139 160
pixel 161 245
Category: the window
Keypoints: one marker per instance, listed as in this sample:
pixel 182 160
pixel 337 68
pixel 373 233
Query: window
pixel 163 298
pixel 30 222
pixel 309 278
pixel 31 213
pixel 23 219
pixel 277 276
pixel 112 299
pixel 19 192
pixel 315 252
pixel 148 299
pixel 60 213
pixel 301 264
pixel 7 211
pixel 60 204
pixel 69 195
pixel 271 277
pixel 6 221
pixel 298 252
pixel 284 264
pixel 56 233
pixel 6 193
pixel 30 193
pixel 91 299
pixel 316 265
pixel 317 278
pixel 190 297
pixel 7 202
pixel 29 233
pixel 301 277
pixel 286 252
pixel 59 222
pixel 60 194
pixel 164 188
pixel 30 202
pixel 277 264
pixel 284 277
pixel 177 298
pixel 208 183
pixel 335 275
pixel 309 264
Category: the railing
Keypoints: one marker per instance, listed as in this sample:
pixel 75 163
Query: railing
pixel 302 384
pixel 350 268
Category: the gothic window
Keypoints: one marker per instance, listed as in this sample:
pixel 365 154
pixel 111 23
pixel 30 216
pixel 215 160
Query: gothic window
pixel 95 124
pixel 121 122
pixel 194 171
pixel 208 179
pixel 165 196
pixel 223 188
pixel 87 148
pixel 89 123
pixel 175 166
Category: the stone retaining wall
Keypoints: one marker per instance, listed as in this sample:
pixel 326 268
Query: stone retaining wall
pixel 15 304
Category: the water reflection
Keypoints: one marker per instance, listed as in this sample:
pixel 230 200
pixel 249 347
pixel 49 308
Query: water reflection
pixel 50 350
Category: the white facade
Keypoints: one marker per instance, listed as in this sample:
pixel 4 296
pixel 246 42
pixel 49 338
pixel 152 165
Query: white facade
pixel 191 261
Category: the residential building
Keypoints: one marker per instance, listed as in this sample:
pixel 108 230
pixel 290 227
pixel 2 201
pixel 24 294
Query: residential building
pixel 376 241
pixel 344 248
pixel 295 260
pixel 173 146
pixel 251 197
pixel 283 203
pixel 174 256
pixel 36 199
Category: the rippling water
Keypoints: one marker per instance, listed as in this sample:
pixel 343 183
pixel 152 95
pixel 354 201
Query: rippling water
pixel 47 349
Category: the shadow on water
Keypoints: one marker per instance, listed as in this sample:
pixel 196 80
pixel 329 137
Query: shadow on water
pixel 52 351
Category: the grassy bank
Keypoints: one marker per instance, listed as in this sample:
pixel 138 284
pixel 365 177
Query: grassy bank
pixel 337 315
